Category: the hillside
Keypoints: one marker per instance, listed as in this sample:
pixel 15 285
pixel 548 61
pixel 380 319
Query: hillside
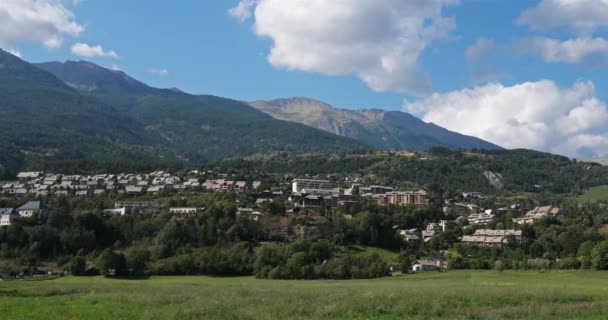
pixel 441 170
pixel 387 130
pixel 199 128
pixel 45 121
pixel 82 116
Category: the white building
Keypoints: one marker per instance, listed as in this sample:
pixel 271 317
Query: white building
pixel 310 186
pixel 183 210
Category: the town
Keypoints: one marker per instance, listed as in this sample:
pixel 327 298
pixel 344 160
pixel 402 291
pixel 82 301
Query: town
pixel 134 194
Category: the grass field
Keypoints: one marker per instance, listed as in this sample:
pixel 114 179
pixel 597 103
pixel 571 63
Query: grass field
pixel 450 295
pixel 593 194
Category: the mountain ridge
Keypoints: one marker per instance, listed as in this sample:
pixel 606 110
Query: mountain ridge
pixel 379 128
pixel 198 127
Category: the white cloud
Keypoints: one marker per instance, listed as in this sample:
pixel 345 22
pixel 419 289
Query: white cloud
pixel 159 71
pixel 478 49
pixel 377 40
pixel 85 50
pixel 537 115
pixel 243 10
pixel 582 16
pixel 41 21
pixel 114 67
pixel 569 51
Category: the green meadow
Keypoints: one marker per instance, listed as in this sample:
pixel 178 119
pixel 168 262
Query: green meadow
pixel 594 194
pixel 449 295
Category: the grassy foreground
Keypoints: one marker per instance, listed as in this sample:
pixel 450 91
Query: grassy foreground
pixel 451 295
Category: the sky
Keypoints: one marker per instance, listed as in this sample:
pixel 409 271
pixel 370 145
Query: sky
pixel 518 73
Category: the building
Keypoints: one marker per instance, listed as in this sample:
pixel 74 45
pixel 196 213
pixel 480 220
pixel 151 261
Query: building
pixel 493 238
pixel 426 265
pixel 409 234
pixel 537 214
pixel 29 209
pixel 29 175
pixel 138 207
pixel 375 190
pixel 7 216
pixel 248 213
pixel 407 198
pixel 310 186
pixel 481 218
pixel 120 211
pixel 183 210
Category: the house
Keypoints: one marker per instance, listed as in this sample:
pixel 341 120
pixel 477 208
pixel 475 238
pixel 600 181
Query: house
pixel 134 189
pixel 427 235
pixel 183 210
pixel 29 175
pixel 248 213
pixel 409 234
pixel 82 193
pixel 426 265
pixel 27 210
pixel 7 216
pixel 481 218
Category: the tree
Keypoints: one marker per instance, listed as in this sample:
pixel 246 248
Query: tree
pixel 137 260
pixel 405 262
pixel 77 266
pixel 110 263
pixel 584 254
pixel 599 256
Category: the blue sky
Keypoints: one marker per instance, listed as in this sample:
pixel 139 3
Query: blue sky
pixel 202 47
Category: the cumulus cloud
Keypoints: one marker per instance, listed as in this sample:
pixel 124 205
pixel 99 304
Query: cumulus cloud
pixel 568 51
pixel 159 71
pixel 39 21
pixel 536 115
pixel 478 49
pixel 85 50
pixel 243 10
pixel 377 40
pixel 581 16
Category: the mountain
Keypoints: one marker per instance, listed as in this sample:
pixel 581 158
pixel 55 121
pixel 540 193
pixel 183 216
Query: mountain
pixel 43 120
pixel 388 130
pixel 197 128
pixel 602 161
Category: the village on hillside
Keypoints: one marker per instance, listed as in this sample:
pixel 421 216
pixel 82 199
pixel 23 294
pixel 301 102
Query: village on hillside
pixel 135 194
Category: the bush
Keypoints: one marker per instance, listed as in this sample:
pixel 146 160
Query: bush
pixel 499 266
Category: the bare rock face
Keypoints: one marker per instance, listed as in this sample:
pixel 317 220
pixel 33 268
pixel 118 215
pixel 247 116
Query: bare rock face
pixel 495 179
